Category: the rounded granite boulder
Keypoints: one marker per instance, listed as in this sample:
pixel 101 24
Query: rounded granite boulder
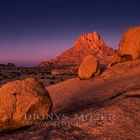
pixel 22 103
pixel 88 67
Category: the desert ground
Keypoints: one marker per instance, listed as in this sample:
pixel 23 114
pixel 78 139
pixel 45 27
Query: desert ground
pixel 42 74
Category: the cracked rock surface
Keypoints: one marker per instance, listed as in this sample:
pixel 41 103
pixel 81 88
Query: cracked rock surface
pixel 103 108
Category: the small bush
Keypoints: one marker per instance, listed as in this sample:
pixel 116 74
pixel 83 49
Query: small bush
pixel 51 82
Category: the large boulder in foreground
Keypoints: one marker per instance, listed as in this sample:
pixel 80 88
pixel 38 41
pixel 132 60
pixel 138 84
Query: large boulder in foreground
pixel 130 43
pixel 20 101
pixel 88 67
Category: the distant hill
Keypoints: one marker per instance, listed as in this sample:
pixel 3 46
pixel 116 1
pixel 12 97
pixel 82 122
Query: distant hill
pixel 8 65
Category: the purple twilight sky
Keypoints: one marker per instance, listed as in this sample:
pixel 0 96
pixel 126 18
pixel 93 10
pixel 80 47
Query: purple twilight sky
pixel 32 31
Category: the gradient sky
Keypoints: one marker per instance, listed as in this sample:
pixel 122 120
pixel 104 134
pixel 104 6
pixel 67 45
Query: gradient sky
pixel 35 30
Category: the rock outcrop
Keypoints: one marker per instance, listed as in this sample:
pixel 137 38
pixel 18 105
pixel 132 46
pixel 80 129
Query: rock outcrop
pixel 130 43
pixel 129 47
pixel 120 59
pixel 87 44
pixel 20 101
pixel 88 68
pixel 120 78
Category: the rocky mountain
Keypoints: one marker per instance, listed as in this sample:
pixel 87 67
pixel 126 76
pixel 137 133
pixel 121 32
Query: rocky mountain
pixel 86 44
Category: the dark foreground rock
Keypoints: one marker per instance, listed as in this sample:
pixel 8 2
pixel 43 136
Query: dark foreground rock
pixel 102 108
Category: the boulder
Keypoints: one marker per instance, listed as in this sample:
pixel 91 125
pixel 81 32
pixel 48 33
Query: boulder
pixel 130 43
pixel 22 103
pixel 88 67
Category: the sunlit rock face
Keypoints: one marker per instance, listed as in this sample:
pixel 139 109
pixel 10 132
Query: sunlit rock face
pixel 86 44
pixel 130 43
pixel 20 101
pixel 88 67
